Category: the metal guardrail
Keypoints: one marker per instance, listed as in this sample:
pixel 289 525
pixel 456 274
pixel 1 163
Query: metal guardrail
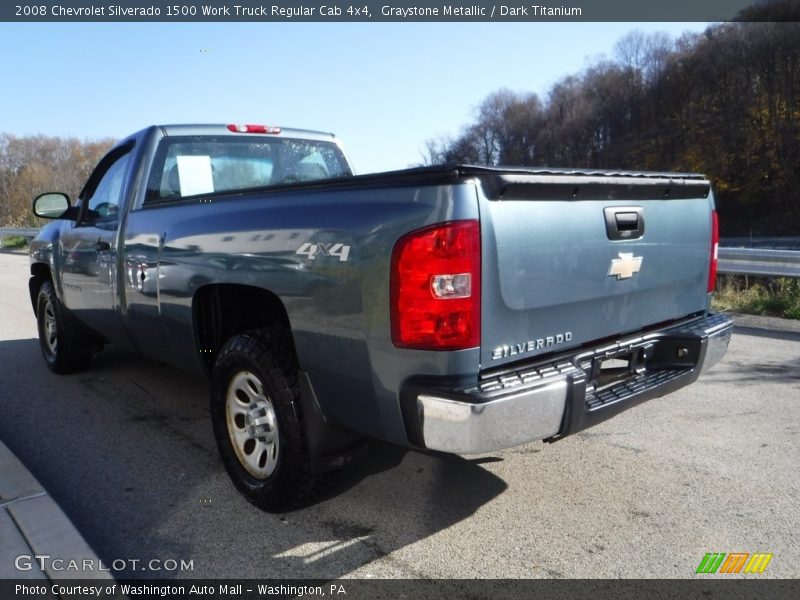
pixel 772 242
pixel 26 232
pixel 759 261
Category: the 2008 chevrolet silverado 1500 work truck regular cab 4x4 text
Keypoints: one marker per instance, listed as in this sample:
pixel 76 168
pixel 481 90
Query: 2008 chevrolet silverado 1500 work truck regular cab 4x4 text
pixel 458 309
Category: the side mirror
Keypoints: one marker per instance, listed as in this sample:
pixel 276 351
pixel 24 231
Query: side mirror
pixel 52 205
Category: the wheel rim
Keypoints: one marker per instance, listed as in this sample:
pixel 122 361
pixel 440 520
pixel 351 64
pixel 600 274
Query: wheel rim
pixel 50 328
pixel 252 425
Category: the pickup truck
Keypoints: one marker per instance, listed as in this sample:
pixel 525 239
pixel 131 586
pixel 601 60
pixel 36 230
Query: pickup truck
pixel 457 309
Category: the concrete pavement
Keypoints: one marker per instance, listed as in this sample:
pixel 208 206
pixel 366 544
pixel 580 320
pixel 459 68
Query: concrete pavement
pixel 33 525
pixel 37 540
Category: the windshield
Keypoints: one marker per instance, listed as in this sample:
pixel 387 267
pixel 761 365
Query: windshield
pixel 198 165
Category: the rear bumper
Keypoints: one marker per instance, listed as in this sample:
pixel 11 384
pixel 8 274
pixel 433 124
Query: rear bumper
pixel 548 401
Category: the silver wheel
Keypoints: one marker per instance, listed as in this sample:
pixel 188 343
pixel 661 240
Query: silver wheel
pixel 252 424
pixel 50 328
pixel 63 346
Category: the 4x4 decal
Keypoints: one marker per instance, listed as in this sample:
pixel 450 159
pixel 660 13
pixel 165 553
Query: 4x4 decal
pixel 341 251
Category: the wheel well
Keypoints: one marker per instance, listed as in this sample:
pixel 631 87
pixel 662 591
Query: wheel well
pixel 40 273
pixel 222 311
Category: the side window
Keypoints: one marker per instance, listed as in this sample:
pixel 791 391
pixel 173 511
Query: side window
pixel 106 197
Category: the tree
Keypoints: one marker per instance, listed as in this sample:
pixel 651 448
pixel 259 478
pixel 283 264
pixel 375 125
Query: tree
pixel 33 165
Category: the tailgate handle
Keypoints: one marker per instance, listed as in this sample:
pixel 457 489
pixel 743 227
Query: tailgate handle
pixel 627 221
pixel 624 222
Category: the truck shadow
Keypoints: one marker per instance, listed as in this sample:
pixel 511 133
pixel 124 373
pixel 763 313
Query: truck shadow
pixel 126 449
pixel 786 370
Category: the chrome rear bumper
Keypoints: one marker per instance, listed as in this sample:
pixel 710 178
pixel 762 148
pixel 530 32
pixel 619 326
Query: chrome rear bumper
pixel 551 400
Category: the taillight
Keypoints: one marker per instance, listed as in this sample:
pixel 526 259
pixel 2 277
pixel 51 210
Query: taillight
pixel 254 129
pixel 712 269
pixel 436 287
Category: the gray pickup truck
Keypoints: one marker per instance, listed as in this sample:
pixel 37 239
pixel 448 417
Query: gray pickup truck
pixel 457 309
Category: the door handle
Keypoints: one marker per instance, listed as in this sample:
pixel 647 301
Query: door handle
pixel 102 246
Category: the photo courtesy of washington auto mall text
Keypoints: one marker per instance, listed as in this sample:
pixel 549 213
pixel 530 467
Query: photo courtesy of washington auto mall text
pixel 178 590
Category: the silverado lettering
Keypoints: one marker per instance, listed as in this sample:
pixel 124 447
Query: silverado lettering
pixel 530 346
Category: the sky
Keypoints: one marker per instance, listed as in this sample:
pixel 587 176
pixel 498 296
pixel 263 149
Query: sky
pixel 383 88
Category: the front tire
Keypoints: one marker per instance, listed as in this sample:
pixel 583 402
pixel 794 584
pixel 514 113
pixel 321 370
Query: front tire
pixel 57 335
pixel 255 408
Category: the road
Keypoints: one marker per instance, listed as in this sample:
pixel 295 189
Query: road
pixel 126 449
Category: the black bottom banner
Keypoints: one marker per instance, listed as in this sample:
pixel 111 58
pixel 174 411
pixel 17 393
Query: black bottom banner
pixel 401 589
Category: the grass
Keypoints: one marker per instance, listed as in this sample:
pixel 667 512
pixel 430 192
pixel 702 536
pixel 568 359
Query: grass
pixel 770 296
pixel 14 242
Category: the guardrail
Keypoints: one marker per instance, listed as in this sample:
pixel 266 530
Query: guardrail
pixel 772 242
pixel 759 261
pixel 26 232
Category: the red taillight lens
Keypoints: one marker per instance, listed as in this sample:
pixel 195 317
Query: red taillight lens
pixel 712 269
pixel 254 129
pixel 436 287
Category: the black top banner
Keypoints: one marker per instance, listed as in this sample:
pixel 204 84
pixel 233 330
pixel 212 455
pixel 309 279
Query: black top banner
pixel 390 11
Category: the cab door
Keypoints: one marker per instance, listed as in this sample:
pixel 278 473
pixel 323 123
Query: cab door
pixel 89 247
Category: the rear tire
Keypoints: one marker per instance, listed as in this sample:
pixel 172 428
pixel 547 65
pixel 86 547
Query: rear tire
pixel 58 335
pixel 255 409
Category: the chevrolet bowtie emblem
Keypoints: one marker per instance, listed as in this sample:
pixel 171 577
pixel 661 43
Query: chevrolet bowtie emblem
pixel 625 266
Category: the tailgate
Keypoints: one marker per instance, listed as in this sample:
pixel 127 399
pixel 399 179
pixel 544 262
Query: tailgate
pixel 570 259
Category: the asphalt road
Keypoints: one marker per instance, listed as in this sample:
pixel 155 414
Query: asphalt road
pixel 126 449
